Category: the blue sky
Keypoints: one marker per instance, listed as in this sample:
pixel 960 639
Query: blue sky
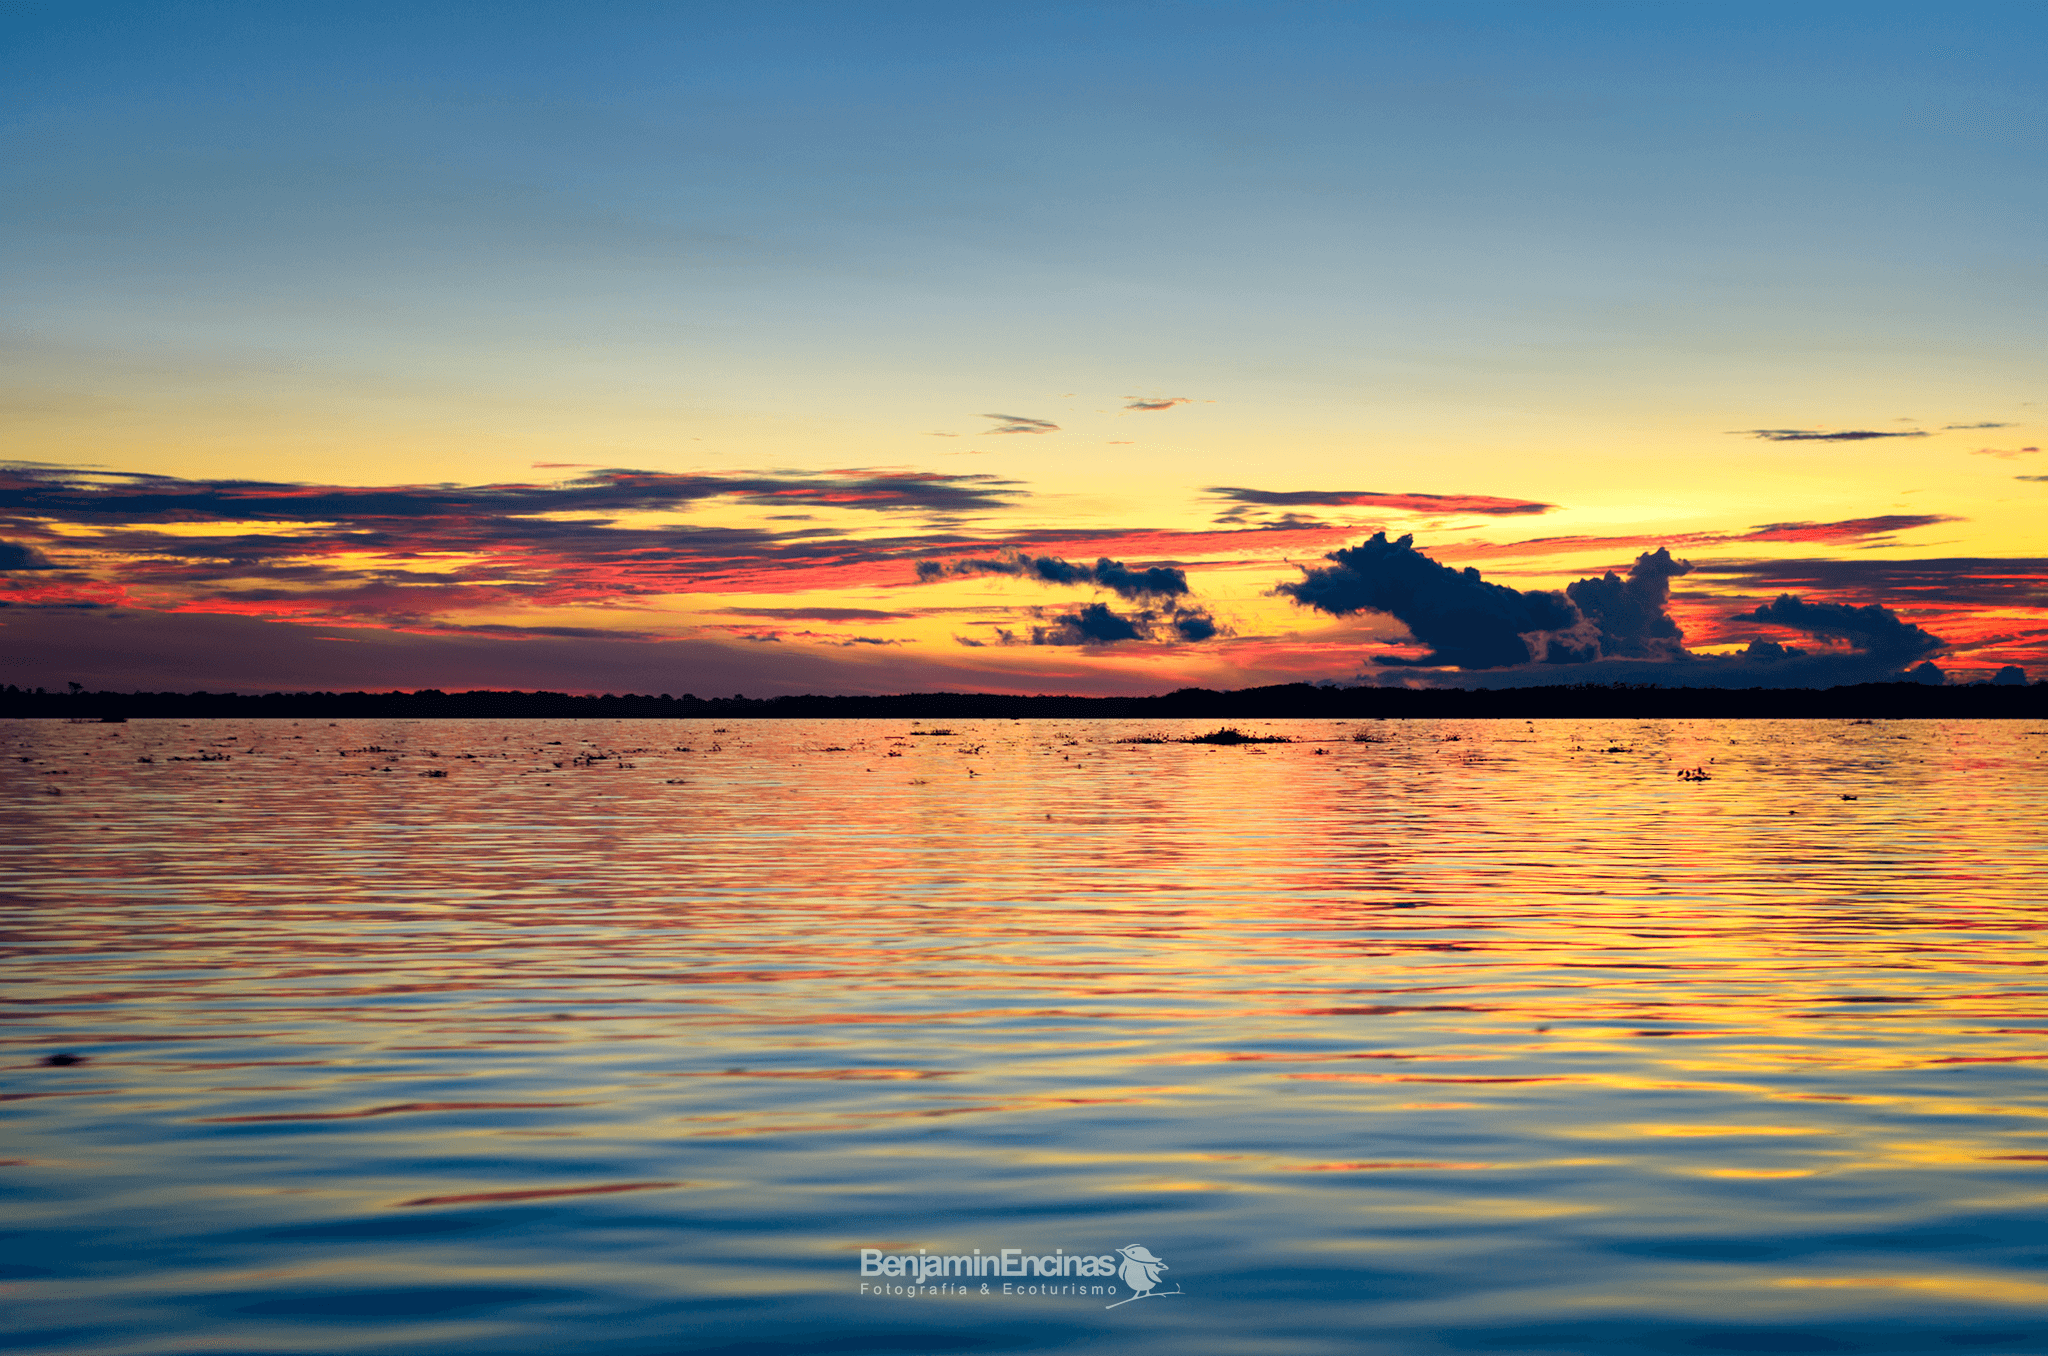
pixel 1559 252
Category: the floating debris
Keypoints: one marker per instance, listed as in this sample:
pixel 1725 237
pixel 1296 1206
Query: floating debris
pixel 1230 734
pixel 1694 774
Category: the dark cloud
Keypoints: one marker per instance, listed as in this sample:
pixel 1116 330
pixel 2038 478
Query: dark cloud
pixel 1967 581
pixel 1094 624
pixel 1631 613
pixel 1954 426
pixel 1098 624
pixel 1850 529
pixel 133 497
pixel 1155 403
pixel 19 556
pixel 1404 502
pixel 818 613
pixel 1467 622
pixel 1157 581
pixel 1017 423
pixel 2030 477
pixel 1611 629
pixel 1809 435
pixel 1876 631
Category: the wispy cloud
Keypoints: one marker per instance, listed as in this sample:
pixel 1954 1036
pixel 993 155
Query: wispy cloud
pixel 2005 453
pixel 1155 402
pixel 818 613
pixel 1810 435
pixel 1408 502
pixel 1017 423
pixel 1955 426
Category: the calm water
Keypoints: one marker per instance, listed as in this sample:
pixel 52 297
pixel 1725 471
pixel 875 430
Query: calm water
pixel 1404 1037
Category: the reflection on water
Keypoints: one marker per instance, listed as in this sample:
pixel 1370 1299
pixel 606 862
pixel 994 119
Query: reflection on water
pixel 508 1036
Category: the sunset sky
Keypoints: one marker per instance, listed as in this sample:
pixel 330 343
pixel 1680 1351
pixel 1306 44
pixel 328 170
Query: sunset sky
pixel 774 348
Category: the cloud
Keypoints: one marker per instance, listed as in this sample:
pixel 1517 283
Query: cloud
pixel 19 556
pixel 1999 583
pixel 1849 529
pixel 818 613
pixel 2005 453
pixel 1631 613
pixel 1094 624
pixel 1098 624
pixel 2030 477
pixel 1808 435
pixel 1955 426
pixel 1408 502
pixel 1467 622
pixel 1155 403
pixel 1876 631
pixel 1017 423
pixel 1158 581
pixel 1610 629
pixel 104 497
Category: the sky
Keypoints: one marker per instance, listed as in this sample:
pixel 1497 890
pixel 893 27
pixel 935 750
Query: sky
pixel 1105 348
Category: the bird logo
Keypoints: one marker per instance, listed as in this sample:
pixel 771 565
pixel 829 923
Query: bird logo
pixel 1140 1271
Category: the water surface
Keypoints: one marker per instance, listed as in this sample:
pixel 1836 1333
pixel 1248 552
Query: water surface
pixel 1402 1037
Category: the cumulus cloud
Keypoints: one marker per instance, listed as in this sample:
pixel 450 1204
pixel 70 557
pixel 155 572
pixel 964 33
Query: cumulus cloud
pixel 1812 435
pixel 1876 631
pixel 1157 581
pixel 1631 613
pixel 1611 628
pixel 1466 622
pixel 1017 423
pixel 1099 624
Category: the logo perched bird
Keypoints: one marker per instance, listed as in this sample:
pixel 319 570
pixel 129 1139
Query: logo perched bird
pixel 1141 1269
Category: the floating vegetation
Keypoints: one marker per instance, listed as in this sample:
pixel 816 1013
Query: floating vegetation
pixel 1230 734
pixel 1692 774
pixel 1145 739
pixel 931 732
pixel 435 772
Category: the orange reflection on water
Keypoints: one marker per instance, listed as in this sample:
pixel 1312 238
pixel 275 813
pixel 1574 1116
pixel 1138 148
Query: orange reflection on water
pixel 792 974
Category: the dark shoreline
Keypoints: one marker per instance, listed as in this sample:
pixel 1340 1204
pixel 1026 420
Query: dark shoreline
pixel 1870 701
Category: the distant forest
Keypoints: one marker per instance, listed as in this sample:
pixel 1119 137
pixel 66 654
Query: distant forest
pixel 1909 701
